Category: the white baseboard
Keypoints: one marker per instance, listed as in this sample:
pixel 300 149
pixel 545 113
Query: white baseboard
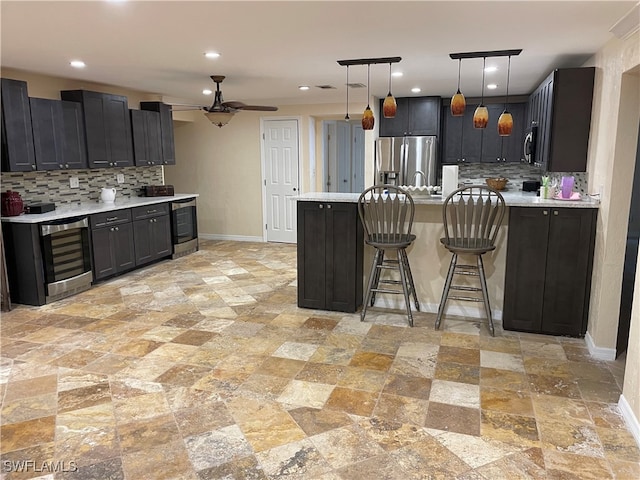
pixel 600 353
pixel 630 419
pixel 238 238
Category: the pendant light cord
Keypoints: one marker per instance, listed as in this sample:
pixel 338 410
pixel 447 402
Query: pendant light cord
pixel 368 82
pixel 484 62
pixel 389 78
pixel 346 117
pixel 459 66
pixel 508 75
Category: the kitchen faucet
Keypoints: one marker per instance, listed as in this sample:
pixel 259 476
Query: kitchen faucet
pixel 424 177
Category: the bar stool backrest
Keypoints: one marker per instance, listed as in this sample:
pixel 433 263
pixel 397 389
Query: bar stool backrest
pixel 472 216
pixel 386 212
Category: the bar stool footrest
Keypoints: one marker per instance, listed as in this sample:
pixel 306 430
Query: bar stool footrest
pixel 466 299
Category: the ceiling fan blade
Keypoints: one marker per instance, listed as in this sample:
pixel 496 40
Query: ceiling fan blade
pixel 260 108
pixel 243 106
pixel 182 107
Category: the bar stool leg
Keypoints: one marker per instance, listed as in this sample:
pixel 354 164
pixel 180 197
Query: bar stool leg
pixel 378 261
pixel 369 292
pixel 405 286
pixel 405 259
pixel 485 294
pixel 445 290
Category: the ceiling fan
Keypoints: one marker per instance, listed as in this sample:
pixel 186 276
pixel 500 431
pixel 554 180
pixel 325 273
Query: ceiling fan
pixel 221 112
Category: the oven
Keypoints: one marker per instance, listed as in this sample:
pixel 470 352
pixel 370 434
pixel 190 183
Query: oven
pixel 184 227
pixel 66 257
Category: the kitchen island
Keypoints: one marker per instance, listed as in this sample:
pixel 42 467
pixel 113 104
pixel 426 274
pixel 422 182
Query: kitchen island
pixel 430 261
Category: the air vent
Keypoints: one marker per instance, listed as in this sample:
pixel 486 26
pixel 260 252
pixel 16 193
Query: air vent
pixel 326 87
pixel 356 85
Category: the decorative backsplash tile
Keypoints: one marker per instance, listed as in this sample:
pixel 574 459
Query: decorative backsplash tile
pixel 53 186
pixel 476 173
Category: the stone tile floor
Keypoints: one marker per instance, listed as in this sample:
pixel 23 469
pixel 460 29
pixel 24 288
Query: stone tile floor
pixel 204 368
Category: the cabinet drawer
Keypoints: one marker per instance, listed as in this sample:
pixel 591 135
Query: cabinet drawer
pixel 116 217
pixel 150 211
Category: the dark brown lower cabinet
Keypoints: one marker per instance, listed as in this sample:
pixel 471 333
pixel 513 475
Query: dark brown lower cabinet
pixel 330 252
pixel 151 233
pixel 112 243
pixel 548 271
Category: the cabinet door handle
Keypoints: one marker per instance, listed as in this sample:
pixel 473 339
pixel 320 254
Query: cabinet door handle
pixel 555 212
pixel 328 206
pixel 117 229
pixel 111 219
pixel 33 166
pixel 61 166
pixel 544 212
pixel 152 211
pixel 321 206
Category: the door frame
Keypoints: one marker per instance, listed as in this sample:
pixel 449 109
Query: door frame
pixel 263 180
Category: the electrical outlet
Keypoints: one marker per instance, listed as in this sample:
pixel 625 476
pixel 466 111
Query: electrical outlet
pixel 120 178
pixel 74 182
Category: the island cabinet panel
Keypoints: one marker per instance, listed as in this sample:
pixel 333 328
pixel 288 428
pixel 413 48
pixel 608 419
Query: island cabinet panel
pixel 107 127
pixel 330 252
pixel 166 128
pixel 548 272
pixel 151 233
pixel 18 154
pixel 112 243
pixel 414 116
pixel 47 121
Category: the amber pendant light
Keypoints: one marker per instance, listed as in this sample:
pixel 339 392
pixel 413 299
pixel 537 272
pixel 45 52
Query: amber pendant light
pixel 458 102
pixel 368 120
pixel 389 105
pixel 481 115
pixel 505 122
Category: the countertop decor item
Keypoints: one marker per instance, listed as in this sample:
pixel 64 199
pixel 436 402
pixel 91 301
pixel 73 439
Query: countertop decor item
pixel 497 183
pixel 12 204
pixel 108 195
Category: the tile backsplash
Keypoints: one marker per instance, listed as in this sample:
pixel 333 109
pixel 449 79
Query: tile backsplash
pixel 53 186
pixel 516 173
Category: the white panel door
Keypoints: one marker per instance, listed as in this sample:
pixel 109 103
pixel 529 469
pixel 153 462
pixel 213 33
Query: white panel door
pixel 281 179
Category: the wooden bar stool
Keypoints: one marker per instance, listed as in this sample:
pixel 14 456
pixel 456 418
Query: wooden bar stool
pixel 386 212
pixel 472 216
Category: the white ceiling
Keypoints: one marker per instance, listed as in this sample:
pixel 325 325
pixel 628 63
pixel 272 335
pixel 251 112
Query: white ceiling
pixel 268 48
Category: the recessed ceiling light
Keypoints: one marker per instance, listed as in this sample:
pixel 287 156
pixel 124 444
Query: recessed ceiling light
pixel 492 86
pixel 206 91
pixel 303 87
pixel 416 90
pixel 490 69
pixel 212 54
pixel 77 64
pixel 397 74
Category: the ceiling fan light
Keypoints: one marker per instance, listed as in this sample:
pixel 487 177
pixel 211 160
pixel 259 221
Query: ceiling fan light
pixel 505 124
pixel 219 118
pixel 389 106
pixel 458 104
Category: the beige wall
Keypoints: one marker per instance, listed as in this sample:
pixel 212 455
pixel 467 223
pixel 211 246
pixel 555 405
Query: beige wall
pixel 612 160
pixel 224 165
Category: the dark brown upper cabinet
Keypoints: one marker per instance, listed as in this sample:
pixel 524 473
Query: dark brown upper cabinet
pixel 107 127
pixel 18 154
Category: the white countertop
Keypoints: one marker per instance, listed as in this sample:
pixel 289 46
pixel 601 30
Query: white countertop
pixel 77 210
pixel 515 198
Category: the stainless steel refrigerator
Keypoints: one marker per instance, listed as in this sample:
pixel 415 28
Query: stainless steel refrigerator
pixel 406 161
